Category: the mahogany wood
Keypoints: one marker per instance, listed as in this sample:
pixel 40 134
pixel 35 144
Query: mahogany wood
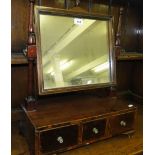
pixel 124 75
pixel 120 144
pixel 118 34
pixel 31 55
pixel 29 133
pixel 93 130
pixel 112 82
pixel 67 109
pixel 53 3
pixel 18 58
pixel 137 78
pixel 130 56
pixel 19 25
pixel 75 109
pixel 50 139
pixel 132 29
pixel 19 74
pixel 127 123
pixel 129 77
pixel 132 20
pixel 70 115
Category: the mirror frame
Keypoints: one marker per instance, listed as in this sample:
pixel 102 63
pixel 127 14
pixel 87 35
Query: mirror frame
pixel 62 12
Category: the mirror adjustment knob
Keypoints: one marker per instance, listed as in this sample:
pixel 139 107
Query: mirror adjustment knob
pixel 60 140
pixel 123 123
pixel 95 130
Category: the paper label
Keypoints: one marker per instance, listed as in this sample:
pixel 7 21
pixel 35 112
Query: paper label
pixel 78 21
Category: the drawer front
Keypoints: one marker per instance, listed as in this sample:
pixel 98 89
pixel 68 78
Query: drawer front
pixel 122 123
pixel 94 130
pixel 60 138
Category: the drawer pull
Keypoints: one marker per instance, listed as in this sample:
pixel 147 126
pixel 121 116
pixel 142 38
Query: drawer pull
pixel 60 140
pixel 95 130
pixel 123 123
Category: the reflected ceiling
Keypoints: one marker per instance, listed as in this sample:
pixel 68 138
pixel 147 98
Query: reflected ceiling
pixel 74 51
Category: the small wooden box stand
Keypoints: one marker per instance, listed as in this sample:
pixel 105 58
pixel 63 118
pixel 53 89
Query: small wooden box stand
pixel 61 123
pixel 65 123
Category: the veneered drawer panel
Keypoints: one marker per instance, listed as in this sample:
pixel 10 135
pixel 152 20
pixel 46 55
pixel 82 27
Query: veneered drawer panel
pixel 121 123
pixel 60 138
pixel 94 129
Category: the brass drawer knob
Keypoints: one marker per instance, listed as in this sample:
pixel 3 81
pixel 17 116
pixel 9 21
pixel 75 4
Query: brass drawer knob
pixel 95 130
pixel 123 123
pixel 60 140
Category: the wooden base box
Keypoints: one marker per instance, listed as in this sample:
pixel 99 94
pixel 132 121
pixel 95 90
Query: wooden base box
pixel 57 127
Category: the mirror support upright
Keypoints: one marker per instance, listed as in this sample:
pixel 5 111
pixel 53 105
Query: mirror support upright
pixel 31 56
pixel 118 48
pixel 118 34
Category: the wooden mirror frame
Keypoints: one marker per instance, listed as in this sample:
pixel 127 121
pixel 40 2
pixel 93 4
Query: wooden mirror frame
pixel 62 12
pixel 31 54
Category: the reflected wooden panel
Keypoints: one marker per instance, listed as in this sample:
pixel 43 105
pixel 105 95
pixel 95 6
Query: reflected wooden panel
pixel 75 51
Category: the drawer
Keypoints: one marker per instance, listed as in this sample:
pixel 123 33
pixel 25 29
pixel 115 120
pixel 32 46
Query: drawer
pixel 59 138
pixel 121 123
pixel 94 129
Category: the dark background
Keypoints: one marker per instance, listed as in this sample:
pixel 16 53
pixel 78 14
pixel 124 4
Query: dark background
pixel 129 71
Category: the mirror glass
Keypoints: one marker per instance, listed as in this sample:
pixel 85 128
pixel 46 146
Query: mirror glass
pixel 73 51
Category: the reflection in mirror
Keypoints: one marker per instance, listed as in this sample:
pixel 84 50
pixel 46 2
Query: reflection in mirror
pixel 73 51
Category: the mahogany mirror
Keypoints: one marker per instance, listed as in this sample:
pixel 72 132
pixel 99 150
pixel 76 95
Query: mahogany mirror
pixel 74 50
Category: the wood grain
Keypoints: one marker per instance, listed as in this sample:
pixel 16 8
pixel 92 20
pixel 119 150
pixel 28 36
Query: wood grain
pixel 119 145
pixel 19 24
pixel 75 108
pixel 132 20
pixel 18 84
